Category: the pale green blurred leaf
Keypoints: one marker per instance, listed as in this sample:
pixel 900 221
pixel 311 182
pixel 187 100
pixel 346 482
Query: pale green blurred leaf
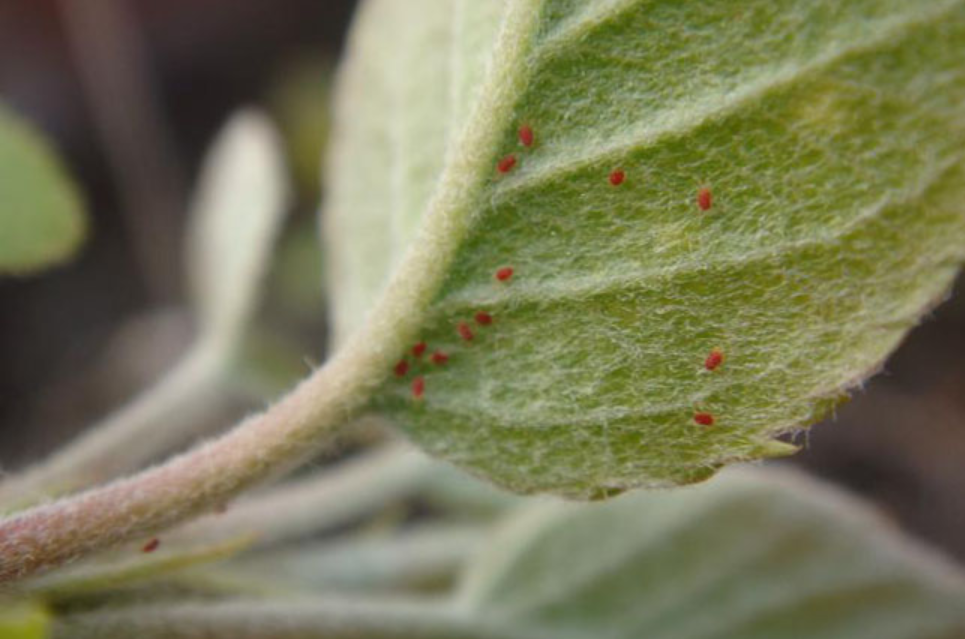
pixel 752 555
pixel 831 134
pixel 237 212
pixel 23 620
pixel 42 220
pixel 130 567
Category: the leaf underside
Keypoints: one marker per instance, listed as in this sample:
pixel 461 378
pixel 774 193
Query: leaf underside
pixel 831 136
pixel 41 217
pixel 751 556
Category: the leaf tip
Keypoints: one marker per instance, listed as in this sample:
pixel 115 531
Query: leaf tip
pixel 775 448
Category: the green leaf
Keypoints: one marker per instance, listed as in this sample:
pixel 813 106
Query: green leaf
pixel 238 210
pixel 830 134
pixel 42 219
pixel 23 620
pixel 118 572
pixel 751 555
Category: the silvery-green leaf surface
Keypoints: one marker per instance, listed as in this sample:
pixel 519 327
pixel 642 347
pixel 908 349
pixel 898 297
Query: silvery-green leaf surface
pixel 751 555
pixel 829 134
pixel 41 216
pixel 754 554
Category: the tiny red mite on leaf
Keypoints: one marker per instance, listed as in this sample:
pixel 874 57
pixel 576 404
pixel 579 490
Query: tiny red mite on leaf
pixel 704 199
pixel 152 545
pixel 704 419
pixel 401 368
pixel 526 136
pixel 617 178
pixel 715 359
pixel 504 273
pixel 439 358
pixel 506 164
pixel 464 331
pixel 418 387
pixel 419 349
pixel 483 318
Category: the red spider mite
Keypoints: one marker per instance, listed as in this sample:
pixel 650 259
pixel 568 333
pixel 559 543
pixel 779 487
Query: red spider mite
pixel 504 273
pixel 714 359
pixel 464 331
pixel 152 545
pixel 526 136
pixel 439 358
pixel 506 164
pixel 419 349
pixel 617 177
pixel 704 199
pixel 704 419
pixel 483 318
pixel 418 387
pixel 401 368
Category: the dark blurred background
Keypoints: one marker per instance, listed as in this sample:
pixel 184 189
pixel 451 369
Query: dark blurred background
pixel 133 90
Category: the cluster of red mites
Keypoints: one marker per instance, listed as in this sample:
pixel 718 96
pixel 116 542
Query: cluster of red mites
pixel 526 138
pixel 440 357
pixel 616 178
pixel 714 359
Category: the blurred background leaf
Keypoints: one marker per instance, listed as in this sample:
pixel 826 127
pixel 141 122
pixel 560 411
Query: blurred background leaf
pixel 42 221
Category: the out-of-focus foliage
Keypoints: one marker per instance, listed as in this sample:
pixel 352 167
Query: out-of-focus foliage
pixel 42 220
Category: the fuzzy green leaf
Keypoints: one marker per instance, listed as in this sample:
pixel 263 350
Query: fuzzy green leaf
pixel 830 134
pixel 41 216
pixel 750 556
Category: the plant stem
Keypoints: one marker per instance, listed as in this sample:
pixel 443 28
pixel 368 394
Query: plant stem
pixel 193 482
pixel 159 418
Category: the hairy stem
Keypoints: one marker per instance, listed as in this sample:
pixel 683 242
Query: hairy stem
pixel 193 482
pixel 295 427
pixel 156 420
